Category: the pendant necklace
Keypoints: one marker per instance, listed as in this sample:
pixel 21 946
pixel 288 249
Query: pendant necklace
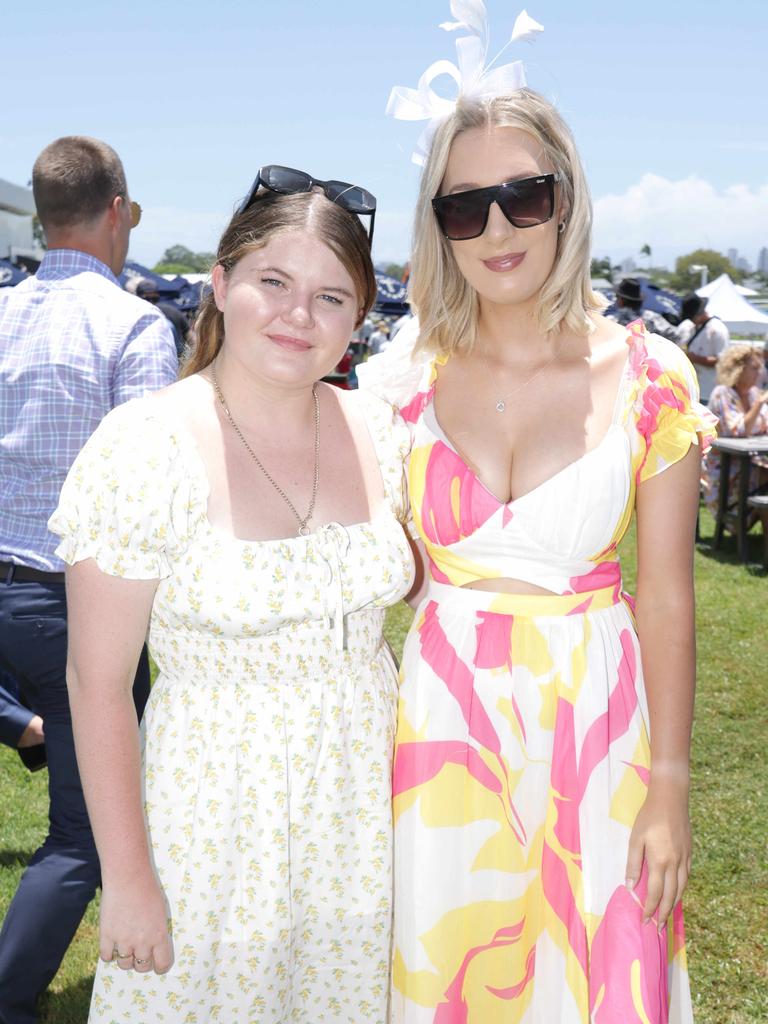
pixel 501 404
pixel 303 528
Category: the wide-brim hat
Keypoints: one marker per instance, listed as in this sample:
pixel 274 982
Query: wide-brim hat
pixel 630 290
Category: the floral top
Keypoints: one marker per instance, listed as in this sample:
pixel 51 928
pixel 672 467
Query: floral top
pixel 726 405
pixel 136 501
pixel 563 535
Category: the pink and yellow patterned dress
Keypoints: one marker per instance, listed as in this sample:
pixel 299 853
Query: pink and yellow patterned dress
pixel 522 754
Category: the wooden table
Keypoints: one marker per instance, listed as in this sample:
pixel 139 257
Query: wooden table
pixel 742 448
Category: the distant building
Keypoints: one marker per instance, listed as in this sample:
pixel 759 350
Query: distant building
pixel 733 257
pixel 16 209
pixel 628 265
pixel 762 260
pixel 742 263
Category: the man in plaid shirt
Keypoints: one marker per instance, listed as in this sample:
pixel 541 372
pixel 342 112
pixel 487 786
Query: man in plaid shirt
pixel 73 345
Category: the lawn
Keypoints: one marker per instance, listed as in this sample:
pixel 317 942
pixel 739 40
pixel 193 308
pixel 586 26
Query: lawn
pixel 727 902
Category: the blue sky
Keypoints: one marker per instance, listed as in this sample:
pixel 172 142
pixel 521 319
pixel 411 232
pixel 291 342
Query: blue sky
pixel 667 101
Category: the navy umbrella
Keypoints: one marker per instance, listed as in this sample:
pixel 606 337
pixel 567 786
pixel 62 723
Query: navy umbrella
pixel 166 289
pixel 190 296
pixel 10 275
pixel 660 301
pixel 392 295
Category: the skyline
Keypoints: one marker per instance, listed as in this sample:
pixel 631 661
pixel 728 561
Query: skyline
pixel 664 104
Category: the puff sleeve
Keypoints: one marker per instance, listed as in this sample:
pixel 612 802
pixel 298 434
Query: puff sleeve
pixel 396 373
pixel 668 415
pixel 392 441
pixel 131 500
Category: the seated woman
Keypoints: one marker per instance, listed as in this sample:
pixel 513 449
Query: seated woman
pixel 741 409
pixel 251 518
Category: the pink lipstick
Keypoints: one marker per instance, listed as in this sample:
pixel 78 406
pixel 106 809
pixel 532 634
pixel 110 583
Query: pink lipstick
pixel 287 341
pixel 501 264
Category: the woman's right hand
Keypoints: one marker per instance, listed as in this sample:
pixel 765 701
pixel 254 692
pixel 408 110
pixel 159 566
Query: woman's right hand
pixel 134 921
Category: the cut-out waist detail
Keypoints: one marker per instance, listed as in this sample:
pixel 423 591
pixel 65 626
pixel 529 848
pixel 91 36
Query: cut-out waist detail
pixel 507 585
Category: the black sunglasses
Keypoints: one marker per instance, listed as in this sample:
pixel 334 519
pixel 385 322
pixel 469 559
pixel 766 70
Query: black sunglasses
pixel 286 181
pixel 525 203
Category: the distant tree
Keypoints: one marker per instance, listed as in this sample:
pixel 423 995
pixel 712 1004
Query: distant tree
pixel 38 235
pixel 601 268
pixel 174 268
pixel 180 260
pixel 659 275
pixel 395 270
pixel 683 280
pixel 178 254
pixel 645 250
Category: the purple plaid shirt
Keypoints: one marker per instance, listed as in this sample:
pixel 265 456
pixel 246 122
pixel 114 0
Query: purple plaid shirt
pixel 73 345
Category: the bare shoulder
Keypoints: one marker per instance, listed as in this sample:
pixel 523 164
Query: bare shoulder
pixel 184 394
pixel 353 405
pixel 608 337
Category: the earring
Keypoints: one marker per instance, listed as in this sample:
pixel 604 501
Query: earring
pixel 561 227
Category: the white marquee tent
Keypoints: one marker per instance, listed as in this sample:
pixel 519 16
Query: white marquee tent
pixel 739 316
pixel 712 287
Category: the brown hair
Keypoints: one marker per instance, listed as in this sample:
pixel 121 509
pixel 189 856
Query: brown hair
pixel 74 180
pixel 444 301
pixel 269 215
pixel 734 360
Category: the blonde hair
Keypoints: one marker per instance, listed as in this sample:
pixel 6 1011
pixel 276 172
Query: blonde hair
pixel 733 361
pixel 446 304
pixel 270 215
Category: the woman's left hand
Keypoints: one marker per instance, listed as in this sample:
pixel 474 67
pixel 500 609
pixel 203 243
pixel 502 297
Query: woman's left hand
pixel 661 838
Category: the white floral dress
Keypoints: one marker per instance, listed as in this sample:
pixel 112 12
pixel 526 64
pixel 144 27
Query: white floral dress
pixel 267 740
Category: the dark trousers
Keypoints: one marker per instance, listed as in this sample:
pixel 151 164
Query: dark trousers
pixel 63 875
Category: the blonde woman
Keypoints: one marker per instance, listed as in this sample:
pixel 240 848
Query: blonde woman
pixel 742 411
pixel 250 516
pixel 542 840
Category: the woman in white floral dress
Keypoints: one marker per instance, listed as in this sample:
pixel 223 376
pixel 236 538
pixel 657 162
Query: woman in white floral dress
pixel 252 518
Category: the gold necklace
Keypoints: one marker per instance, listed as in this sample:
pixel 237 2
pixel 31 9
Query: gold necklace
pixel 501 404
pixel 303 528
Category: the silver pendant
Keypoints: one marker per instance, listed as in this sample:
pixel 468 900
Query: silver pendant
pixel 303 530
pixel 500 405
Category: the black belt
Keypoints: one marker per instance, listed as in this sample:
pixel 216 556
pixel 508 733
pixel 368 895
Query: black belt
pixel 9 571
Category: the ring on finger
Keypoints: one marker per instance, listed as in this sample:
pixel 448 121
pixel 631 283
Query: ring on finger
pixel 116 954
pixel 143 963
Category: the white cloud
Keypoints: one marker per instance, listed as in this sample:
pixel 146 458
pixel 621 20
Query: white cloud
pixel 676 217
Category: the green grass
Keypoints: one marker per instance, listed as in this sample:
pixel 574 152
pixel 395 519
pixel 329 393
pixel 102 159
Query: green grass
pixel 727 901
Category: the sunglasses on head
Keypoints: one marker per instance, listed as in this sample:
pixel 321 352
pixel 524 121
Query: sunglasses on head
pixel 286 181
pixel 525 203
